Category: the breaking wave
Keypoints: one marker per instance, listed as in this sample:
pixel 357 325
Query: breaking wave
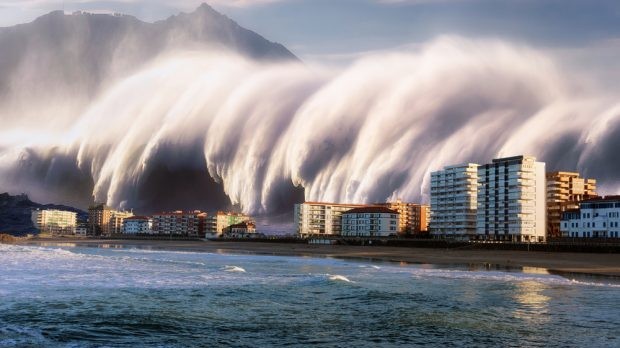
pixel 218 128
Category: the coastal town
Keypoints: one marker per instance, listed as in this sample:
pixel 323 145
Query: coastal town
pixel 510 199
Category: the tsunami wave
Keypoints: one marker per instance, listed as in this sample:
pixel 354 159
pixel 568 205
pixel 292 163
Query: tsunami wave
pixel 215 127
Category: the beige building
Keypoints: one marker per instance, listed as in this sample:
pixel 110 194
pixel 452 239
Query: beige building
pixel 180 223
pixel 217 223
pixel 564 192
pixel 53 221
pixel 370 221
pixel 317 218
pixel 413 218
pixel 103 220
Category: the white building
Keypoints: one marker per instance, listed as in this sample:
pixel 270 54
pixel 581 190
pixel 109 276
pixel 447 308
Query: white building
pixel 595 218
pixel 54 221
pixel 454 193
pixel 370 222
pixel 138 225
pixel 512 200
pixel 316 218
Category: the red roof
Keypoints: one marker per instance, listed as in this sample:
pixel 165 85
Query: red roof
pixel 371 209
pixel 137 218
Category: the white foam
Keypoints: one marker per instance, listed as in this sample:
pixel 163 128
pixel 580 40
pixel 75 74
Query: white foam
pixel 338 277
pixel 233 269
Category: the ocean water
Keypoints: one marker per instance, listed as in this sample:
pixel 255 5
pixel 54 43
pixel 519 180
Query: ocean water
pixel 123 297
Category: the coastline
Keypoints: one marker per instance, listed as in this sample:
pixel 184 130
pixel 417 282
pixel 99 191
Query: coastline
pixel 554 262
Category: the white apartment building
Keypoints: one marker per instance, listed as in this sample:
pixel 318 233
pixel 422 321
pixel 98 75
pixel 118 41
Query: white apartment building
pixel 454 201
pixel 370 222
pixel 512 200
pixel 138 225
pixel 595 218
pixel 316 218
pixel 54 221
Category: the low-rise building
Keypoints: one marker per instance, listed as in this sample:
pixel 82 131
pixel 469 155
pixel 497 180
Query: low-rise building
pixel 595 218
pixel 319 218
pixel 370 221
pixel 54 221
pixel 216 223
pixel 180 223
pixel 116 221
pixel 246 229
pixel 138 225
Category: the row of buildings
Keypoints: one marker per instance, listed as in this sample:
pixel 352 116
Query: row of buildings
pixel 106 221
pixel 509 199
pixel 374 220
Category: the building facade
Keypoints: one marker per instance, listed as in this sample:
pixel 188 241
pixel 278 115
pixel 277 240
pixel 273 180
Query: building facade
pixel 454 197
pixel 595 218
pixel 512 200
pixel 413 218
pixel 54 221
pixel 137 225
pixel 371 221
pixel 564 192
pixel 245 229
pixel 99 219
pixel 180 223
pixel 317 218
pixel 216 223
pixel 116 221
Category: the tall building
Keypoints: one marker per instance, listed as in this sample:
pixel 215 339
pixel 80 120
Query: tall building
pixel 53 221
pixel 180 223
pixel 512 200
pixel 370 221
pixel 564 192
pixel 312 218
pixel 99 219
pixel 454 200
pixel 595 218
pixel 413 217
pixel 216 223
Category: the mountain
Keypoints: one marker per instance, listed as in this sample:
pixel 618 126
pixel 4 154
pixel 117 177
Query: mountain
pixel 58 56
pixel 15 213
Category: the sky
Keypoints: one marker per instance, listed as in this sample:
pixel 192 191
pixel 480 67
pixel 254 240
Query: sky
pixel 338 31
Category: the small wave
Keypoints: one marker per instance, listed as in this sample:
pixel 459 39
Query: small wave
pixel 233 269
pixel 338 277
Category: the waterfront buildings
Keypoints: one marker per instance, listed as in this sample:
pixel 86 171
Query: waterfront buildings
pixel 103 220
pixel 564 192
pixel 595 218
pixel 454 201
pixel 54 221
pixel 319 218
pixel 413 217
pixel 370 221
pixel 216 223
pixel 511 200
pixel 137 225
pixel 180 223
pixel 245 229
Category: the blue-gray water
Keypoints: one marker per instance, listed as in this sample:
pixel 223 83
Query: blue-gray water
pixel 91 297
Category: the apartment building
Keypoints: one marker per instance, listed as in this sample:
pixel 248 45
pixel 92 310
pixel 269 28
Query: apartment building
pixel 180 223
pixel 512 200
pixel 564 192
pixel 413 218
pixel 595 218
pixel 454 201
pixel 138 225
pixel 319 218
pixel 216 223
pixel 54 221
pixel 370 221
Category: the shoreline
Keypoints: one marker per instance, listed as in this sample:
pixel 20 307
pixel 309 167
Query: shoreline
pixel 554 262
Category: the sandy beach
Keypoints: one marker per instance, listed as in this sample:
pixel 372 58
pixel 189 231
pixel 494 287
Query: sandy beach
pixel 582 263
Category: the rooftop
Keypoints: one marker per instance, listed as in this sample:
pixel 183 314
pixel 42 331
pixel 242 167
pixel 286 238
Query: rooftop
pixel 371 209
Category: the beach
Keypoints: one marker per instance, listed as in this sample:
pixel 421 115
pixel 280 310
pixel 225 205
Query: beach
pixel 558 262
